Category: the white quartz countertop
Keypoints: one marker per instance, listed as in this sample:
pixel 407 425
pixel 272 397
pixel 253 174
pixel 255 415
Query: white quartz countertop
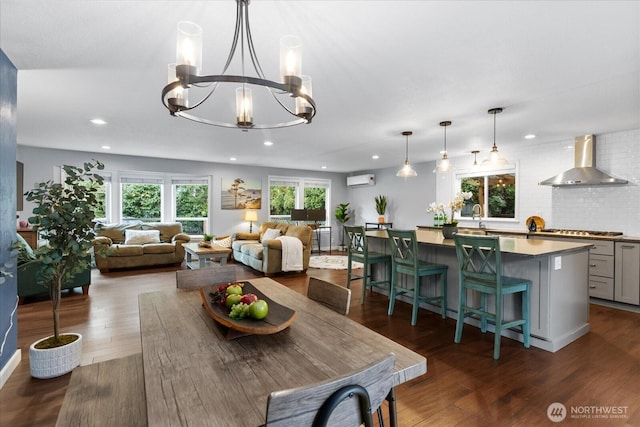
pixel 514 245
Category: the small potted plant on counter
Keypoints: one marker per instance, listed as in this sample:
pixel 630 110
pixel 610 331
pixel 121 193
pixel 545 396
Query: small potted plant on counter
pixel 450 226
pixel 381 208
pixel 64 215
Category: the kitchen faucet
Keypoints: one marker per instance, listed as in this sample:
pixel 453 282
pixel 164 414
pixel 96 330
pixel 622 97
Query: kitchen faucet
pixel 477 213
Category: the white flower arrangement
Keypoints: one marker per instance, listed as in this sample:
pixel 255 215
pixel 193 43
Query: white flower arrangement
pixel 455 205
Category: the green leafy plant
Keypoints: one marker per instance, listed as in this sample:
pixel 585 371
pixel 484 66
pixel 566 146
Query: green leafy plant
pixel 381 204
pixel 207 237
pixel 63 216
pixel 342 213
pixel 342 216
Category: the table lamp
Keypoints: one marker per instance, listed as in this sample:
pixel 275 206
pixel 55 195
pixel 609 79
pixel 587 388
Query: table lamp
pixel 251 216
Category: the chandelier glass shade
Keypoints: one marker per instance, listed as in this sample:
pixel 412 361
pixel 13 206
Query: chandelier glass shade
pixel 184 78
pixel 444 162
pixel 407 171
pixel 494 157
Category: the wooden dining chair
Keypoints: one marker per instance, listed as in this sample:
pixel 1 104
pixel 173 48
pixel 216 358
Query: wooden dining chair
pixel 480 270
pixel 358 250
pixel 336 297
pixel 404 257
pixel 331 402
pixel 217 274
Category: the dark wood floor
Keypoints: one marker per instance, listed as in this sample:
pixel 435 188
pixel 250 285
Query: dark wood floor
pixel 464 386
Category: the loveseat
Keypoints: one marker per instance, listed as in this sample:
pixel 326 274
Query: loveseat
pixel 264 253
pixel 29 283
pixel 138 244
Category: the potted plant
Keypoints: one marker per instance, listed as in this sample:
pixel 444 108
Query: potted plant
pixel 381 208
pixel 64 215
pixel 206 240
pixel 342 216
pixel 450 226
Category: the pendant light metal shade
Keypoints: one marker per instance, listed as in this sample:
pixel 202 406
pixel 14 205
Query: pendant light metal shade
pixel 407 171
pixel 444 162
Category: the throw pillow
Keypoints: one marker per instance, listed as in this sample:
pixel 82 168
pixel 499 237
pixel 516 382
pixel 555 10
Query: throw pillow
pixel 140 237
pixel 224 242
pixel 270 234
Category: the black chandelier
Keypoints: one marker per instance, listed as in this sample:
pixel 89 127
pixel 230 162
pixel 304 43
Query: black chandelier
pixel 184 74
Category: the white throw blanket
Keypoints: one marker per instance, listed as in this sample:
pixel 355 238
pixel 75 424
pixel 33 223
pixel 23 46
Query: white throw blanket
pixel 291 253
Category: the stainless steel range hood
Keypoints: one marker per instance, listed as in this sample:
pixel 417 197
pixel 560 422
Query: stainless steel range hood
pixel 584 172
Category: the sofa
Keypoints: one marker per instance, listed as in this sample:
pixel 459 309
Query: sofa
pixel 265 254
pixel 138 244
pixel 28 279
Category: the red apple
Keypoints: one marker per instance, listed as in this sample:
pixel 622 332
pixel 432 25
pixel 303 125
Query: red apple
pixel 248 298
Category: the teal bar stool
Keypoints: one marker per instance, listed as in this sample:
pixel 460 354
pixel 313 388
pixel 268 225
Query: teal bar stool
pixel 480 269
pixel 358 250
pixel 404 259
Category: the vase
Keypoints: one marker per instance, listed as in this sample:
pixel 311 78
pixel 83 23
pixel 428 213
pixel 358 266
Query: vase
pixel 449 230
pixel 54 362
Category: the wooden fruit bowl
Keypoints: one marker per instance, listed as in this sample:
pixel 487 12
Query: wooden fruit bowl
pixel 278 318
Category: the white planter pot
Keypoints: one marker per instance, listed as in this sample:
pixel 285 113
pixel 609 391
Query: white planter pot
pixel 54 362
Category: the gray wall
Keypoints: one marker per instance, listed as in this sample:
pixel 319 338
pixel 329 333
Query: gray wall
pixel 39 164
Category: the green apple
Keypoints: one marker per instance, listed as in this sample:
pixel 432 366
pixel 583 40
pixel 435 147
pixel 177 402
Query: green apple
pixel 234 289
pixel 258 309
pixel 232 299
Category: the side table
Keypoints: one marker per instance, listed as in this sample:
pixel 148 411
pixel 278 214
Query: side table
pixel 30 235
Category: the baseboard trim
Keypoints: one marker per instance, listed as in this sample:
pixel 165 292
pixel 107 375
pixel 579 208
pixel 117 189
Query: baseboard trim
pixel 11 366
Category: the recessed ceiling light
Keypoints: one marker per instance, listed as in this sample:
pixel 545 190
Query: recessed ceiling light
pixel 106 147
pixel 375 157
pixel 98 122
pixel 233 159
pixel 268 143
pixel 323 167
pixel 530 136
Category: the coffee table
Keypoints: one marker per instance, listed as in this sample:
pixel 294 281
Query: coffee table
pixel 213 253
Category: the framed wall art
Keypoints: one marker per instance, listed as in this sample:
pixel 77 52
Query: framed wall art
pixel 238 193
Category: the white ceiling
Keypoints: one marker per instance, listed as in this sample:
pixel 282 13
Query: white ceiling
pixel 558 68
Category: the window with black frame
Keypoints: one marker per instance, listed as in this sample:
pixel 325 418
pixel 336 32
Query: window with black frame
pixel 495 191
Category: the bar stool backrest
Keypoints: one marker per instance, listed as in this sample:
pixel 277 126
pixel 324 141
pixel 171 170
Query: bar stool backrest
pixel 479 259
pixel 356 240
pixel 404 247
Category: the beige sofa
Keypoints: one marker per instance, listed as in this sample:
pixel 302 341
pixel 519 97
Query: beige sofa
pixel 162 248
pixel 266 255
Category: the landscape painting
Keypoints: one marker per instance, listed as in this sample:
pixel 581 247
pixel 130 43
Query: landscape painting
pixel 241 194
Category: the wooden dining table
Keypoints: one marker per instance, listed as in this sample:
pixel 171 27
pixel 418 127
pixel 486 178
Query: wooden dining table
pixel 194 376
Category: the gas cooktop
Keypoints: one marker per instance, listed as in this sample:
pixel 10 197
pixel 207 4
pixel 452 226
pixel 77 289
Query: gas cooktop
pixel 580 232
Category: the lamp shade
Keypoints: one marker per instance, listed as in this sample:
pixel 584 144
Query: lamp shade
pixel 251 216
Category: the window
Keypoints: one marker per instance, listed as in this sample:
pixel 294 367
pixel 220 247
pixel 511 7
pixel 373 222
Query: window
pixel 287 193
pixel 191 204
pixel 494 190
pixel 102 192
pixel 141 199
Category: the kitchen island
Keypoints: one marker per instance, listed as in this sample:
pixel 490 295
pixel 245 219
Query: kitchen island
pixel 559 272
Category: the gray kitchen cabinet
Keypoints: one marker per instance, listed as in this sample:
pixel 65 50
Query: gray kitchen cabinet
pixel 601 265
pixel 627 273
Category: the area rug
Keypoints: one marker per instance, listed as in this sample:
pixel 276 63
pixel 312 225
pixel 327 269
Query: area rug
pixel 332 262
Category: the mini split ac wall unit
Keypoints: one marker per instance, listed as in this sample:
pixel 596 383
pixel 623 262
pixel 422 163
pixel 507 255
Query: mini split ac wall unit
pixel 368 179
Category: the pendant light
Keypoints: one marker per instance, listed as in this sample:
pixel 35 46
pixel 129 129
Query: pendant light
pixel 407 171
pixel 475 158
pixel 444 162
pixel 494 156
